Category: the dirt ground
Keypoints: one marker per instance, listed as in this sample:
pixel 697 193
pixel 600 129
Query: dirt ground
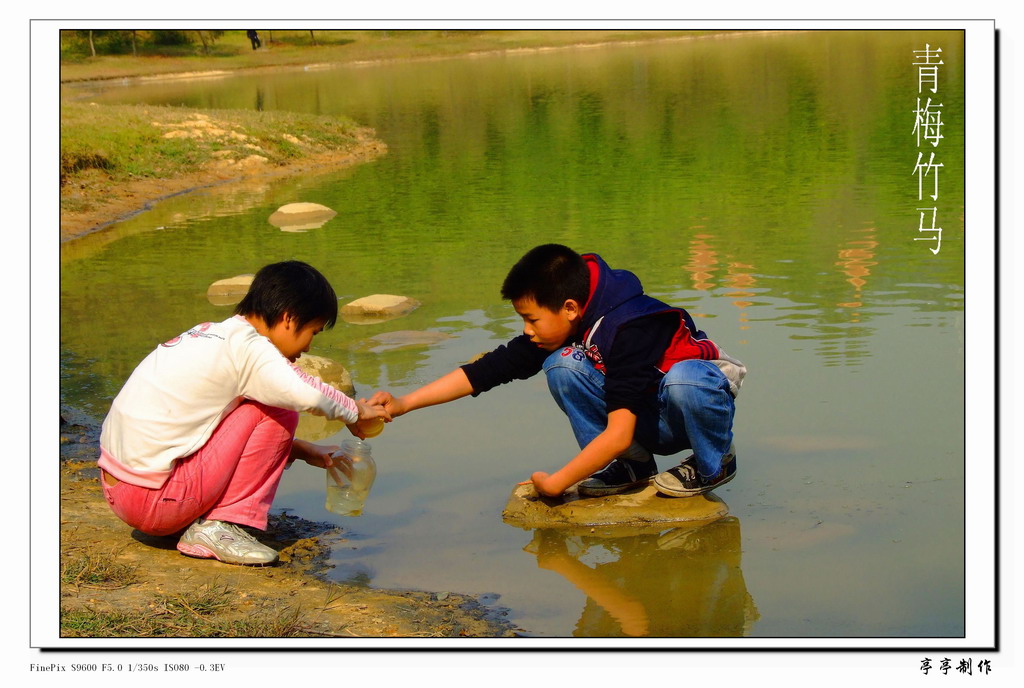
pixel 292 598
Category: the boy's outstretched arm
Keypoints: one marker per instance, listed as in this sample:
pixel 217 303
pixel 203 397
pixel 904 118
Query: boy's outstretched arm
pixel 450 387
pixel 615 439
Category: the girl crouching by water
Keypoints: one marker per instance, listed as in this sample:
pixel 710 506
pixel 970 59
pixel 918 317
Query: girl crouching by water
pixel 198 437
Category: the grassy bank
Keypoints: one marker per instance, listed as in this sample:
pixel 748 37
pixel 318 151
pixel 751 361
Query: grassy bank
pixel 127 142
pixel 232 50
pixel 115 158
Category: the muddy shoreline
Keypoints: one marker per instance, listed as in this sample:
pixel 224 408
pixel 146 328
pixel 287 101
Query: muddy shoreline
pixel 292 599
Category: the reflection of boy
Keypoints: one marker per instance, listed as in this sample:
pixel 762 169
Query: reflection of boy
pixel 701 590
pixel 634 375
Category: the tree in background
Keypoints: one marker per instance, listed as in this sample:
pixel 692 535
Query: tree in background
pixel 122 41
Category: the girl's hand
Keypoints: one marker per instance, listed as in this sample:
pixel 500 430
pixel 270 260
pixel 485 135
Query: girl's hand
pixel 368 410
pixel 395 406
pixel 314 454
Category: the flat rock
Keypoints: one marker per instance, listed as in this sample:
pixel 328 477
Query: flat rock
pixel 402 339
pixel 228 292
pixel 643 507
pixel 298 217
pixel 377 308
pixel 331 372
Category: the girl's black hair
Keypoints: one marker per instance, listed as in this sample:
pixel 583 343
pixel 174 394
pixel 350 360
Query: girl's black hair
pixel 291 287
pixel 550 274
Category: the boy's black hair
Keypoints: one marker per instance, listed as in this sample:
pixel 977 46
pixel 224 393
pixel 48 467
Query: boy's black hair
pixel 550 274
pixel 291 287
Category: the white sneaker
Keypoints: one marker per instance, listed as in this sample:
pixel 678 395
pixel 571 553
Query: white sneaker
pixel 225 542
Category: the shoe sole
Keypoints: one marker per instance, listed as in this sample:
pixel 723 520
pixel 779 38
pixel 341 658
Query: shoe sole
pixel 197 551
pixel 676 492
pixel 200 552
pixel 613 490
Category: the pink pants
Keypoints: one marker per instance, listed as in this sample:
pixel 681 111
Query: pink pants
pixel 233 477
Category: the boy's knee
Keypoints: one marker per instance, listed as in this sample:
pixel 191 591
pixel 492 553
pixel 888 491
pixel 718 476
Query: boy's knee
pixel 696 372
pixel 569 369
pixel 692 382
pixel 567 359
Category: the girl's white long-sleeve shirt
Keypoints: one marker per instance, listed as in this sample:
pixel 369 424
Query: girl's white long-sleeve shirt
pixel 179 394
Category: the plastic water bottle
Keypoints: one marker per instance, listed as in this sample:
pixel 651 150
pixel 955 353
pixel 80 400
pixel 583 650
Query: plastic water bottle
pixel 346 496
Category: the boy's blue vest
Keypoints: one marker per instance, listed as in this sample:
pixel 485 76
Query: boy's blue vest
pixel 617 297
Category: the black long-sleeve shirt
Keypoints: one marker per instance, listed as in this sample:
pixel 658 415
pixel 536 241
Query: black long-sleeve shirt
pixel 631 367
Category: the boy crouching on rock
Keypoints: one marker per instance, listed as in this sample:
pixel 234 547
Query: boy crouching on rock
pixel 634 376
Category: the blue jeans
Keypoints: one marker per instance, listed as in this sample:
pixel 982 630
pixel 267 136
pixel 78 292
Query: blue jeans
pixel 693 408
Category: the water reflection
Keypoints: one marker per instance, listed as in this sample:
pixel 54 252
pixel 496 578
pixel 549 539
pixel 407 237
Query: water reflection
pixel 557 145
pixel 681 582
pixel 856 259
pixel 786 227
pixel 739 277
pixel 709 268
pixel 702 262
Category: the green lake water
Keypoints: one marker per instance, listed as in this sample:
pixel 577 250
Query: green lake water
pixel 764 182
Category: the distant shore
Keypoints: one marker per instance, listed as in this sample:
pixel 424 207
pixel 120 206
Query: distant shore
pixel 103 184
pixel 294 49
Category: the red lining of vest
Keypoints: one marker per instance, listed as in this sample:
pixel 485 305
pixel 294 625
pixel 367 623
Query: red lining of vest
pixel 595 271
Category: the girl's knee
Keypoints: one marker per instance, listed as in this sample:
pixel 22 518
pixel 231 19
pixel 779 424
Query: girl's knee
pixel 289 420
pixel 286 418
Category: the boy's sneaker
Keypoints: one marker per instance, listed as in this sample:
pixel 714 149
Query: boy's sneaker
pixel 685 481
pixel 225 542
pixel 619 476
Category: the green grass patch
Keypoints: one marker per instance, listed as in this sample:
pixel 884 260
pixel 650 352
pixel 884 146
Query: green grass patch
pixel 128 142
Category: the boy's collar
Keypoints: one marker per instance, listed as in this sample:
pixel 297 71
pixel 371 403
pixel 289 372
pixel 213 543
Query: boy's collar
pixel 593 262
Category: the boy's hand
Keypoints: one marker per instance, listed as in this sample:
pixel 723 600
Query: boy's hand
pixel 395 407
pixel 542 483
